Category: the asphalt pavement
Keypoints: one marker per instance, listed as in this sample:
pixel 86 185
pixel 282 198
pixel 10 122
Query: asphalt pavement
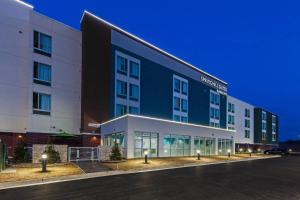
pixel 274 179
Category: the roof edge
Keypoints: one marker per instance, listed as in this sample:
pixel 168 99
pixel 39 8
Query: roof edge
pixel 150 45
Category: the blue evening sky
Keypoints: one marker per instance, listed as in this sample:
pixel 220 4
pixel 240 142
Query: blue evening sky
pixel 252 45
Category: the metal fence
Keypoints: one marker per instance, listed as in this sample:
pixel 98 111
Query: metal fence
pixel 83 154
pixel 3 155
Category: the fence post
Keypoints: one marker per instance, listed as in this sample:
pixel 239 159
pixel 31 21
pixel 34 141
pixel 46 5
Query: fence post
pixel 77 155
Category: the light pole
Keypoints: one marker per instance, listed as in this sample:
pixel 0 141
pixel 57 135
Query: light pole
pixel 198 154
pixel 146 157
pixel 250 151
pixel 241 150
pixel 229 153
pixel 44 162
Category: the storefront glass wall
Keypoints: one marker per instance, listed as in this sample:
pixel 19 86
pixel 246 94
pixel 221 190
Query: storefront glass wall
pixel 207 146
pixel 224 145
pixel 145 141
pixel 177 145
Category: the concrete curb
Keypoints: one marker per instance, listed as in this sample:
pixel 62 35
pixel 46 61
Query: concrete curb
pixel 10 185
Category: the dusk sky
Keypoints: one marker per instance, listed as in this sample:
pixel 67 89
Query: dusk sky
pixel 253 46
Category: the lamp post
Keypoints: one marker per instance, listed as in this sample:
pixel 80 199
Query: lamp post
pixel 146 157
pixel 250 151
pixel 198 154
pixel 229 153
pixel 44 162
pixel 241 150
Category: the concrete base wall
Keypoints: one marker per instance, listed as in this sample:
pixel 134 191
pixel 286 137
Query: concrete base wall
pixel 38 150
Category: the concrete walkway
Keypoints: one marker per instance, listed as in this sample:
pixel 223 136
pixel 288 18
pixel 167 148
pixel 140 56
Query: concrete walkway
pixel 92 167
pixel 9 185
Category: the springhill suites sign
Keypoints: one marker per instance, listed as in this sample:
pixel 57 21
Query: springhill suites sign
pixel 221 88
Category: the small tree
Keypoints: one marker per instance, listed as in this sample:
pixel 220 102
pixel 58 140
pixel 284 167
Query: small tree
pixel 20 153
pixel 116 152
pixel 53 155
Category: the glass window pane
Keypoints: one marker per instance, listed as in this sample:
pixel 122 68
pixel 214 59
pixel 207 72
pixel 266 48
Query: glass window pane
pixel 134 92
pixel 134 69
pixel 176 103
pixel 176 85
pixel 184 87
pixel 121 65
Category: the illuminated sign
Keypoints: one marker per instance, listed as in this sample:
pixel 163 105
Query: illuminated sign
pixel 221 88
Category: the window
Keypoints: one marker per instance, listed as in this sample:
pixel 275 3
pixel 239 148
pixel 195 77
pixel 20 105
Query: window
pixel 41 103
pixel 121 89
pixel 274 129
pixel 217 99
pixel 176 145
pixel 42 43
pixel 247 123
pixel 184 105
pixel 273 137
pixel 134 92
pixel 247 113
pixel 120 110
pixel 176 118
pixel 207 146
pixel 42 74
pixel 121 65
pixel 264 115
pixel 184 119
pixel 184 87
pixel 176 103
pixel 264 126
pixel 217 114
pixel 247 133
pixel 274 119
pixel 224 145
pixel 231 119
pixel 212 98
pixel 212 113
pixel 145 141
pixel 231 107
pixel 264 136
pixel 134 70
pixel 111 139
pixel 176 85
pixel 133 110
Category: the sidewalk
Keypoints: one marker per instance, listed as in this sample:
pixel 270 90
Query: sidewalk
pixel 8 185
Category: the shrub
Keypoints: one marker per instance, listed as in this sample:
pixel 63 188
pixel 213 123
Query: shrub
pixel 20 153
pixel 116 152
pixel 53 155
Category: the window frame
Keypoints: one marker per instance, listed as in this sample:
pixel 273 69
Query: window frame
pixel 38 110
pixel 38 80
pixel 38 49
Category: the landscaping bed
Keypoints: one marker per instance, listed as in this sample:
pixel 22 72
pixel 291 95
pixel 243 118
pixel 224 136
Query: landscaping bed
pixel 25 172
pixel 156 163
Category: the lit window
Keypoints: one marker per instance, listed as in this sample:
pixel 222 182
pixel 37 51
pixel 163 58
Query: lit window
pixel 176 118
pixel 133 110
pixel 184 119
pixel 120 110
pixel 184 105
pixel 42 74
pixel 176 103
pixel 42 43
pixel 184 87
pixel 134 70
pixel 41 103
pixel 134 92
pixel 121 89
pixel 176 85
pixel 121 65
pixel 217 114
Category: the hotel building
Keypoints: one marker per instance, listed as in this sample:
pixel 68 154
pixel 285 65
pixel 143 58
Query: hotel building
pixel 104 81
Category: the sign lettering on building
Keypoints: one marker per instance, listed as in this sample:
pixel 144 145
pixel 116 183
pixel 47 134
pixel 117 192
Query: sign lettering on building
pixel 221 88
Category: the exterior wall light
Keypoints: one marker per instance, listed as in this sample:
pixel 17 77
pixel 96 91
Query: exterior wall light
pixel 241 150
pixel 146 157
pixel 290 150
pixel 44 162
pixel 258 149
pixel 198 154
pixel 229 153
